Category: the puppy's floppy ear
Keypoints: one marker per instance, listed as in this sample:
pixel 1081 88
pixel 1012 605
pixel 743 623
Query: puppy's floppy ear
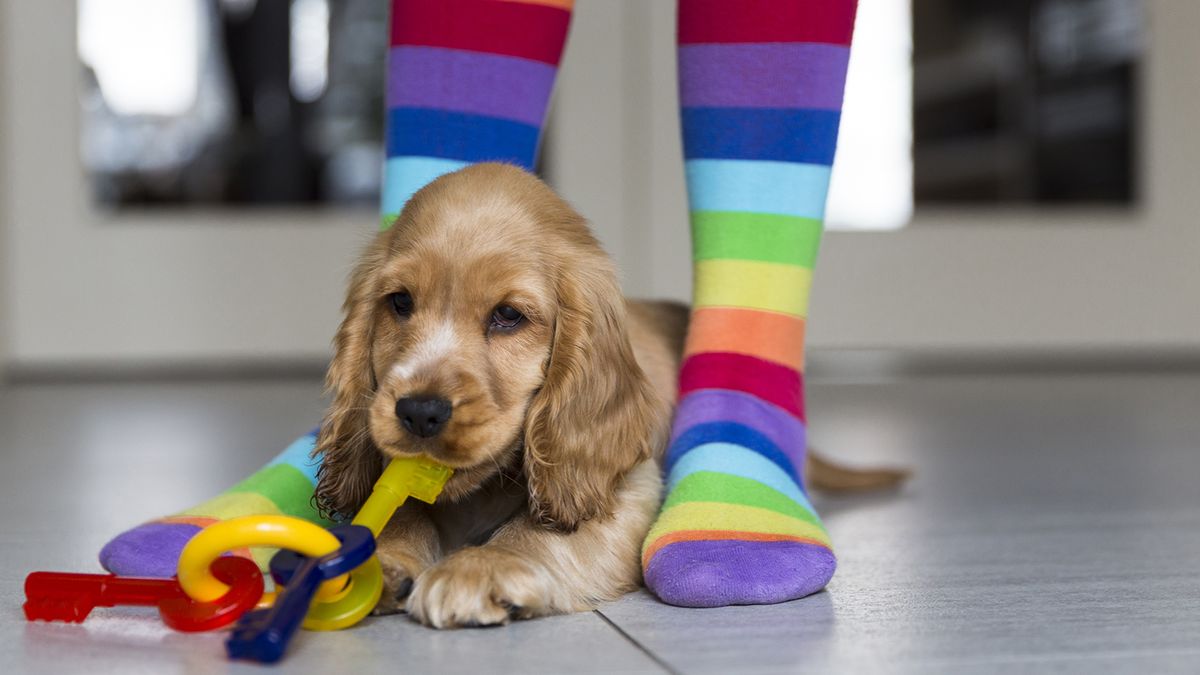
pixel 351 462
pixel 596 416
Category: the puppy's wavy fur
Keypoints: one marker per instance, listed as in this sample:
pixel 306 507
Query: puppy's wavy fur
pixel 557 424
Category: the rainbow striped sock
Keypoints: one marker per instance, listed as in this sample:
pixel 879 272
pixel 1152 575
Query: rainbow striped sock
pixel 284 486
pixel 468 81
pixel 761 90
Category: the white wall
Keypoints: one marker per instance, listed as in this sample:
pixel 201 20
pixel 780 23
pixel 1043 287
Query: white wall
pixel 159 286
pixel 168 287
pixel 5 276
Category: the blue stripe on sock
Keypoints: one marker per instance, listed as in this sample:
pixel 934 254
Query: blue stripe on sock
pixel 732 433
pixel 298 456
pixel 781 188
pixel 452 135
pixel 403 176
pixel 738 461
pixel 780 134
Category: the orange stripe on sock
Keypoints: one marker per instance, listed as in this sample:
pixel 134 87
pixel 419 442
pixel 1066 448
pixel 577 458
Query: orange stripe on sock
pixel 198 521
pixel 767 335
pixel 709 535
pixel 242 553
pixel 205 521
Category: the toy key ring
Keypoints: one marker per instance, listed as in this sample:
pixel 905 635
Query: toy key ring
pixel 342 601
pixel 360 597
pixel 277 531
pixel 417 477
pixel 263 635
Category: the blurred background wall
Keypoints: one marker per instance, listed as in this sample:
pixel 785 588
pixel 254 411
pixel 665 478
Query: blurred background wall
pixel 86 284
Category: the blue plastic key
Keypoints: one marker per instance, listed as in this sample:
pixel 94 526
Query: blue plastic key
pixel 263 635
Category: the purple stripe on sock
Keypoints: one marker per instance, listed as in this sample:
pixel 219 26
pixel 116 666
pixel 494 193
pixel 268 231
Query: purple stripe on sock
pixel 149 550
pixel 766 75
pixel 469 82
pixel 722 405
pixel 721 572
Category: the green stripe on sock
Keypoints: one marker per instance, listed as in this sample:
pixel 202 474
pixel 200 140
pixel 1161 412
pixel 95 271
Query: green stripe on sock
pixel 286 487
pixel 711 486
pixel 736 235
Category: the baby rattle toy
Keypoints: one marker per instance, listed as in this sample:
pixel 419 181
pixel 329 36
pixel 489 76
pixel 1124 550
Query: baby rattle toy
pixel 330 579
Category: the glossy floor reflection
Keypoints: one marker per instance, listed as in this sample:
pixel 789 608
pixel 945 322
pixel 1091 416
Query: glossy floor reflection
pixel 1053 525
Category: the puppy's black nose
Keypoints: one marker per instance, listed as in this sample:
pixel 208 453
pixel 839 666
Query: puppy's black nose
pixel 423 416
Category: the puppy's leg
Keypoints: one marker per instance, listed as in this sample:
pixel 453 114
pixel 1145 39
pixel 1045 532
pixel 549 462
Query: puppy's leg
pixel 526 570
pixel 407 547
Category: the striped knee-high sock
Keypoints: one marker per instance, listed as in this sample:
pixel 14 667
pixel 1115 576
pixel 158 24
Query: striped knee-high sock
pixel 468 81
pixel 761 91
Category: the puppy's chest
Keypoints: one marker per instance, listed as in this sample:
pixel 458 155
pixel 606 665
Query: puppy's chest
pixel 472 521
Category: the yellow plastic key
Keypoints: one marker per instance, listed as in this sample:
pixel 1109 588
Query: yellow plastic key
pixel 418 477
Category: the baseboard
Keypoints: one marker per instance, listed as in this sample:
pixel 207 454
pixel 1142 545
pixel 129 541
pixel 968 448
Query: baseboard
pixel 308 368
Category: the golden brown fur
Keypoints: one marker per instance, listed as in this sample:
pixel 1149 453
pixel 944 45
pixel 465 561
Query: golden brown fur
pixel 557 425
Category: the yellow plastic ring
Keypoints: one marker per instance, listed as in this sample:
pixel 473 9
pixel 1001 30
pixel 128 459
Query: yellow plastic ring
pixel 275 531
pixel 366 586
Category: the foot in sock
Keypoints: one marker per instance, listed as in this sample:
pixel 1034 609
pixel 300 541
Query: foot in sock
pixel 761 89
pixel 468 81
pixel 284 486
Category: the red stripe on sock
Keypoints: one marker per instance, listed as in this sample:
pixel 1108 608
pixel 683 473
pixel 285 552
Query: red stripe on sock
pixel 768 381
pixel 708 21
pixel 525 30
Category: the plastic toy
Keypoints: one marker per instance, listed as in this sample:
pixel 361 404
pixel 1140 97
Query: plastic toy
pixel 338 604
pixel 58 596
pixel 331 579
pixel 263 635
pixel 417 477
pixel 228 535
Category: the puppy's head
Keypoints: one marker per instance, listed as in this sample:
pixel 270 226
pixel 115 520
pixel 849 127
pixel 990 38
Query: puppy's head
pixel 486 329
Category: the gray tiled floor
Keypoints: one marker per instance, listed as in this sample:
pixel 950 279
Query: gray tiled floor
pixel 1053 526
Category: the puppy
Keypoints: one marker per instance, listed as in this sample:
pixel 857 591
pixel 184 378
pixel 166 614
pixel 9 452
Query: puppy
pixel 486 329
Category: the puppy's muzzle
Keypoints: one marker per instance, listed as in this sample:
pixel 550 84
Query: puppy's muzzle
pixel 423 416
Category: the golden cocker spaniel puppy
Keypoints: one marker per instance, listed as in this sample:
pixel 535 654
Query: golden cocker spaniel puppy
pixel 487 330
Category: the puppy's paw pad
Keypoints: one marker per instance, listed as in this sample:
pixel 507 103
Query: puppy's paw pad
pixel 395 594
pixel 402 590
pixel 398 574
pixel 480 587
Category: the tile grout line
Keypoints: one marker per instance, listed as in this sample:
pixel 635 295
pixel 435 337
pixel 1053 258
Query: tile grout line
pixel 641 647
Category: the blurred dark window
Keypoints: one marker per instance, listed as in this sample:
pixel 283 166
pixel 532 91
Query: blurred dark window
pixel 1026 100
pixel 281 101
pixel 233 101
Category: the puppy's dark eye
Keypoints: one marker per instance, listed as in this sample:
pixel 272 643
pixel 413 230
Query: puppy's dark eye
pixel 402 302
pixel 505 316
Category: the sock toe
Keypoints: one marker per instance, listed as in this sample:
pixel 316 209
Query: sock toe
pixel 715 573
pixel 148 550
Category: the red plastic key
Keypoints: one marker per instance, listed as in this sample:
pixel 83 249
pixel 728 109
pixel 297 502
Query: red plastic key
pixel 59 596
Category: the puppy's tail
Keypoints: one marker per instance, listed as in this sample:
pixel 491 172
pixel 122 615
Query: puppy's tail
pixel 824 474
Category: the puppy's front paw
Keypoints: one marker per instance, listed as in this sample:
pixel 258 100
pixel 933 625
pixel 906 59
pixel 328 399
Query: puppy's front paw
pixel 481 587
pixel 399 570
